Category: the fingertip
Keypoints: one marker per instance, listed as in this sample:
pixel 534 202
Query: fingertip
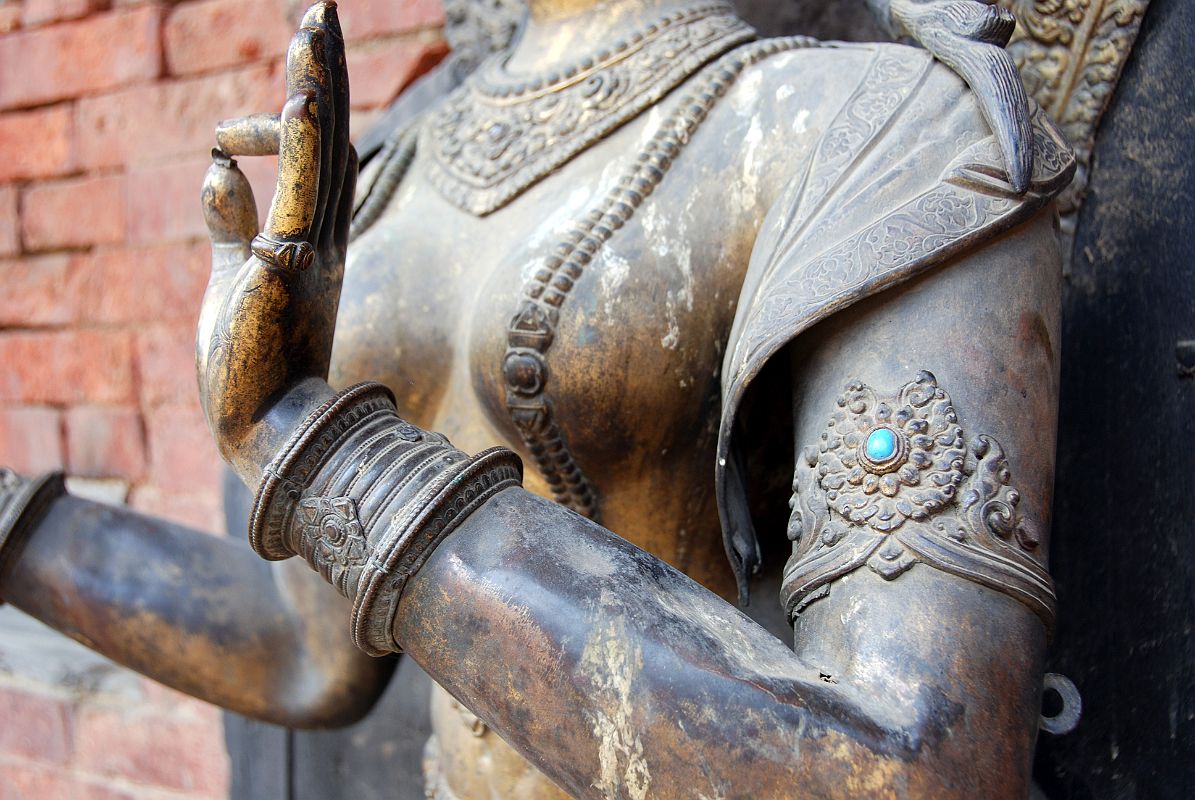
pixel 319 13
pixel 228 206
pixel 333 17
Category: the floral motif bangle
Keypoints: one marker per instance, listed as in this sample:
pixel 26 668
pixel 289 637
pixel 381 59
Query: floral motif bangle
pixel 365 498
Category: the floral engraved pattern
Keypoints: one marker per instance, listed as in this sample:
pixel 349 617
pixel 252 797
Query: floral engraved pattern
pixel 927 477
pixel 496 136
pixel 894 482
pixel 861 120
pixel 798 289
pixel 332 539
pixel 1071 53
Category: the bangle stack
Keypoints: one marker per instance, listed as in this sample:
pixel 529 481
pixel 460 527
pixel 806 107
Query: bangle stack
pixel 365 497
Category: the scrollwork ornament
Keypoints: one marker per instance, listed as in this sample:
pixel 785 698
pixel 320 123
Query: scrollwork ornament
pixel 894 482
pixel 1070 54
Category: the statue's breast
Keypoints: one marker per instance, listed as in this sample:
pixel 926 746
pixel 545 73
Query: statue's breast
pixel 584 323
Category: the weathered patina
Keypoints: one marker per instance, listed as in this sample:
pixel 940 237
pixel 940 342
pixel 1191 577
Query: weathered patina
pixel 655 257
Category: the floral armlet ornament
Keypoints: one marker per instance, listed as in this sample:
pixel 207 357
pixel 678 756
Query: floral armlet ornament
pixel 894 482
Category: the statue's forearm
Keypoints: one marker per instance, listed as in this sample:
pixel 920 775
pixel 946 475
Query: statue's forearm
pixel 196 612
pixel 613 672
pixel 618 676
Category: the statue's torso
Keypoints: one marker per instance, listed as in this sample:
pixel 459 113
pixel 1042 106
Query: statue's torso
pixel 634 361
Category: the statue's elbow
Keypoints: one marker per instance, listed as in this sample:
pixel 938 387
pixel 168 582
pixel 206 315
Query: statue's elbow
pixel 319 700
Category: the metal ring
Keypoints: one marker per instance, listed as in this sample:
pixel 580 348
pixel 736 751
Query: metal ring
pixel 285 254
pixel 1067 718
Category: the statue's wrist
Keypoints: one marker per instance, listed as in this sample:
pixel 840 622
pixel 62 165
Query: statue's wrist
pixel 23 503
pixel 365 497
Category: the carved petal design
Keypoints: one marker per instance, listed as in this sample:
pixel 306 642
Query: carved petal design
pixel 332 534
pixel 936 501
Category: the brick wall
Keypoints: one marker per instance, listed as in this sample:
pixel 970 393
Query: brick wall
pixel 106 113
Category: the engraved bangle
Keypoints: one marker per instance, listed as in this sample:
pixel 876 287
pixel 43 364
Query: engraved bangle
pixel 365 497
pixel 413 535
pixel 292 470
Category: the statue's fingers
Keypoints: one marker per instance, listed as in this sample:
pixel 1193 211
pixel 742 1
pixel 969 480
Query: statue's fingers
pixel 993 77
pixel 307 71
pixel 254 135
pixel 324 16
pixel 228 205
pixel 295 199
pixel 231 215
pixel 344 213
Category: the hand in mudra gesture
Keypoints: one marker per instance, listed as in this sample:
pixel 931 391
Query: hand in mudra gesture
pixel 267 318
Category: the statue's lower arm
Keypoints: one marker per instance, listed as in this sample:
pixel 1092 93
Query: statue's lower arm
pixel 195 611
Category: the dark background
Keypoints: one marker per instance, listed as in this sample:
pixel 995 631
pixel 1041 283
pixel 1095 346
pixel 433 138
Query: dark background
pixel 1125 487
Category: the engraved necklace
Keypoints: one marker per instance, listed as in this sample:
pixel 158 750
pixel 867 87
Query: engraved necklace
pixel 497 135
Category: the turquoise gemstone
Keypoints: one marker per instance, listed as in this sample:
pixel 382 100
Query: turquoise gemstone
pixel 881 444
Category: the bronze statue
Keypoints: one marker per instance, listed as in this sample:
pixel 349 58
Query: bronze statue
pixel 643 248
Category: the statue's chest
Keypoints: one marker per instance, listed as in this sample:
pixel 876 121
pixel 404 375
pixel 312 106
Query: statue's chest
pixel 573 322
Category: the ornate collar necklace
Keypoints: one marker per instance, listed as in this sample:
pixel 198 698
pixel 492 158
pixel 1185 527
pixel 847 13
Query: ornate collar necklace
pixel 496 135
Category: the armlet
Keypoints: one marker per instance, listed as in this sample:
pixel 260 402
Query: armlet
pixel 858 220
pixel 896 481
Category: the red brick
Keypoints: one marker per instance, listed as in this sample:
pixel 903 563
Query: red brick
pixel 166 364
pixel 379 70
pixel 30 442
pixel 216 34
pixel 105 442
pixel 365 19
pixel 164 200
pixel 198 510
pixel 66 367
pixel 123 285
pixel 40 12
pixel 155 122
pixel 36 727
pixel 74 58
pixel 152 750
pixel 39 291
pixel 182 453
pixel 24 781
pixel 36 144
pixel 10 222
pixel 95 790
pixel 74 213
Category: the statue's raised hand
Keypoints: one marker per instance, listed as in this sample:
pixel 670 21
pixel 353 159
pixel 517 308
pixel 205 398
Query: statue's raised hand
pixel 268 316
pixel 969 37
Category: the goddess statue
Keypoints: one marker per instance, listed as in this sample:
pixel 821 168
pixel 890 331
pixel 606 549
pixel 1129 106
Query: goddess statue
pixel 697 282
